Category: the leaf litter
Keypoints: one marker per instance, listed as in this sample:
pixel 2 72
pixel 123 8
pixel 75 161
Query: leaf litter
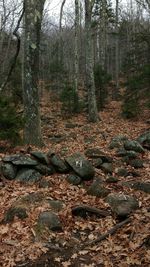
pixel 19 243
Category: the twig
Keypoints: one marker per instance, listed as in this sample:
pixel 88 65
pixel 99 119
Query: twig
pixel 110 232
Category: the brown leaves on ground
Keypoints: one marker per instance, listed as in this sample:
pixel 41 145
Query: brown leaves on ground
pixel 19 241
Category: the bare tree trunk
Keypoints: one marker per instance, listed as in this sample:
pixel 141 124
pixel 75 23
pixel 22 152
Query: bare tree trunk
pixel 117 53
pixel 76 64
pixel 33 19
pixel 103 35
pixel 60 34
pixel 90 84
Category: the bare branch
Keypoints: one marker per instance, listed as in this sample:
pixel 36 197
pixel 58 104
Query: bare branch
pixel 16 34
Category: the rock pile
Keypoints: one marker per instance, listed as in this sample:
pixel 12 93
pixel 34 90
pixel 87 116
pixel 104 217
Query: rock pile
pixel 32 167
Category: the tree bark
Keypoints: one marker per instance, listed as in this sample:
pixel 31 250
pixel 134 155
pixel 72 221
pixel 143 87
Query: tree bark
pixel 32 20
pixel 90 84
pixel 117 53
pixel 103 34
pixel 76 52
pixel 60 34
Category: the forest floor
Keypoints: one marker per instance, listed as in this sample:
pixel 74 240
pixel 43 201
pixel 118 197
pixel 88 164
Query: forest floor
pixel 128 246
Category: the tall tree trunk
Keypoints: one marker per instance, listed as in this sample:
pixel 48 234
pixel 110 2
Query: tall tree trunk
pixel 90 84
pixel 117 53
pixel 103 34
pixel 60 34
pixel 32 21
pixel 76 52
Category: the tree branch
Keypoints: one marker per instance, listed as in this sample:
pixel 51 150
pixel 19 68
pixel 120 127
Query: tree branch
pixel 16 34
pixel 110 232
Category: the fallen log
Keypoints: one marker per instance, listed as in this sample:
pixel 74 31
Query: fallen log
pixel 84 211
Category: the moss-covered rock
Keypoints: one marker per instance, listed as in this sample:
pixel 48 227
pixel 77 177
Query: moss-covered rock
pixel 12 212
pixel 9 171
pixel 97 189
pixel 50 220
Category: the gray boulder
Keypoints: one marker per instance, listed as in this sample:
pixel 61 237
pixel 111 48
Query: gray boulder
pixel 81 166
pixel 40 156
pixel 122 205
pixel 9 171
pixel 134 146
pixel 117 141
pixel 137 185
pixel 50 220
pixel 58 163
pixel 107 167
pixel 20 160
pixel 124 153
pixel 27 175
pixel 97 189
pixel 97 154
pixel 45 170
pixel 144 139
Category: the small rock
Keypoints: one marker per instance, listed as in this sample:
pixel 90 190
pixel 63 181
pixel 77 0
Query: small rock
pixel 124 153
pixel 40 156
pixel 58 163
pixel 50 220
pixel 144 139
pixel 56 205
pixel 94 153
pixel 118 141
pixel 97 189
pixel 112 179
pixel 9 171
pixel 122 172
pixel 134 146
pixel 142 186
pixel 122 205
pixel 107 167
pixel 26 175
pixel 45 170
pixel 74 179
pixel 136 163
pixel 15 212
pixel 97 163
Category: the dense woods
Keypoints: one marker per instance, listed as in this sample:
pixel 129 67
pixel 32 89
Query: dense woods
pixel 74 133
pixel 84 50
